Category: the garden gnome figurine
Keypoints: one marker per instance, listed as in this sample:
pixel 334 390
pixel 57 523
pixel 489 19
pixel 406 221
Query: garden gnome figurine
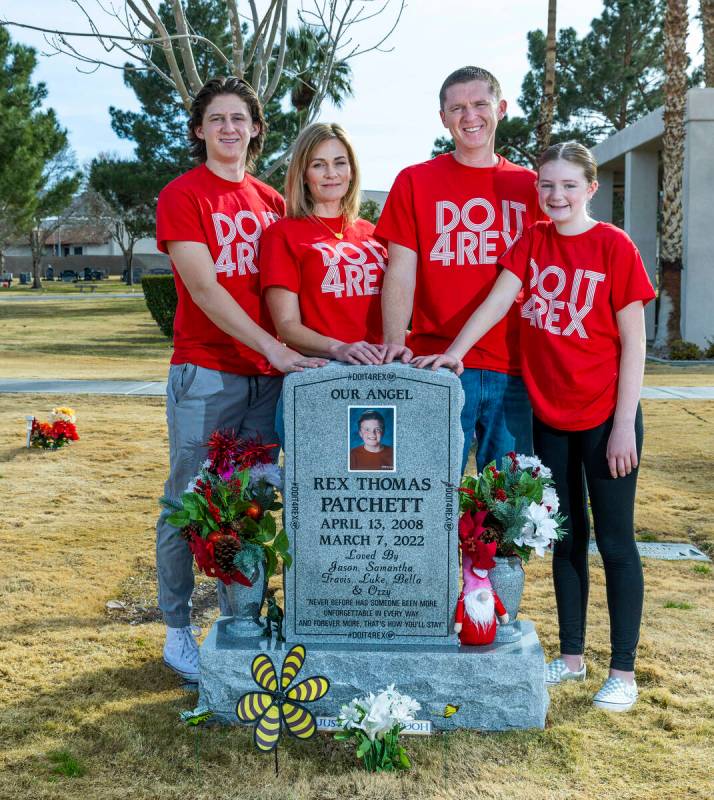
pixel 478 605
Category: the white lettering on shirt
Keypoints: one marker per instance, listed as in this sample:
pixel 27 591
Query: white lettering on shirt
pixel 544 310
pixel 238 238
pixel 478 244
pixel 348 270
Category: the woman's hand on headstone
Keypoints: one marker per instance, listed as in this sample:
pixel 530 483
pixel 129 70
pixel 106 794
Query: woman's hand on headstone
pixel 439 360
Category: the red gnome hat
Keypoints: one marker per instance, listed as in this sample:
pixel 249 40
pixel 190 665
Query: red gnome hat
pixel 483 557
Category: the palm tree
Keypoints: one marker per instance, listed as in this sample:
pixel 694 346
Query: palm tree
pixel 706 12
pixel 547 103
pixel 676 23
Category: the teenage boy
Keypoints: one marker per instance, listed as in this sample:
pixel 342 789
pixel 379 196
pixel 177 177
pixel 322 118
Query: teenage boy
pixel 447 221
pixel 226 365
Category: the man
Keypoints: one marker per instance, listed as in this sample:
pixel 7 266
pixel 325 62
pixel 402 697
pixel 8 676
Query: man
pixel 226 365
pixel 447 221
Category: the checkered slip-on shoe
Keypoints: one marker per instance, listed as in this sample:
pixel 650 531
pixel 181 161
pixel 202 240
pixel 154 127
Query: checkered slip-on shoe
pixel 557 671
pixel 616 695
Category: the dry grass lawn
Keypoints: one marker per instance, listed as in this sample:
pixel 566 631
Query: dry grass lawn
pixel 89 711
pixel 116 338
pixel 93 338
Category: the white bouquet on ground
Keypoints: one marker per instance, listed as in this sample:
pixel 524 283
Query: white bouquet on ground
pixel 375 722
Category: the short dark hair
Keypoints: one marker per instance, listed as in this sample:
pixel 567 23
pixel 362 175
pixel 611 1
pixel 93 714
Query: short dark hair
pixel 466 75
pixel 214 88
pixel 375 415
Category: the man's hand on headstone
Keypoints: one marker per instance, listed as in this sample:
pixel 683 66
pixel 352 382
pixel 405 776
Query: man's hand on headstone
pixel 439 360
pixel 397 352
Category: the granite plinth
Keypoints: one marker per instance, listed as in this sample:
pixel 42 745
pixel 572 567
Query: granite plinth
pixel 499 687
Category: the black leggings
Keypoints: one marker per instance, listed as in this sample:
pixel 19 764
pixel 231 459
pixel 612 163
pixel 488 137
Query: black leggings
pixel 579 465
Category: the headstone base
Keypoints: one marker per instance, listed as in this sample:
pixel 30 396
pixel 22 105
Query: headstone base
pixel 498 687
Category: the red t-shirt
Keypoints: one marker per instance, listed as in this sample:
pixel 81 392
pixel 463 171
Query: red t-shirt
pixel 338 283
pixel 570 344
pixel 229 219
pixel 459 219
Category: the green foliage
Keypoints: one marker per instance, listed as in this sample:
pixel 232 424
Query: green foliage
pixel 161 300
pixel 682 605
pixel 130 189
pixel 702 569
pixel 681 350
pixel 378 755
pixel 66 764
pixel 709 349
pixel 159 129
pixel 30 138
pixel 370 210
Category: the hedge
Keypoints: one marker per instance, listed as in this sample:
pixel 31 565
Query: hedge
pixel 160 296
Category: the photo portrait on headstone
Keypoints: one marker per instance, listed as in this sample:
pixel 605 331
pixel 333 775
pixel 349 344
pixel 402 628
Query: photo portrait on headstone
pixel 371 438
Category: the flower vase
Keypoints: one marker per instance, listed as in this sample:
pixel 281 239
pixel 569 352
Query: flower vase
pixel 245 603
pixel 508 579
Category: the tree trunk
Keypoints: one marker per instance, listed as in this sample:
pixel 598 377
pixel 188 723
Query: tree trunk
pixel 675 100
pixel 706 11
pixel 547 103
pixel 36 250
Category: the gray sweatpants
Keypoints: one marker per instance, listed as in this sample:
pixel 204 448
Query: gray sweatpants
pixel 198 402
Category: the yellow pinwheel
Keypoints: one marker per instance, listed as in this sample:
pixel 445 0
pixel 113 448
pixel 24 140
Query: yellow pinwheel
pixel 278 705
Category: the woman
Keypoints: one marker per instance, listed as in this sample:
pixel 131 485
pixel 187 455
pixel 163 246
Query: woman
pixel 321 268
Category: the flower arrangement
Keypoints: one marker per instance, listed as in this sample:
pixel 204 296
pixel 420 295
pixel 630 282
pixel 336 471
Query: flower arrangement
pixel 224 512
pixel 516 506
pixel 55 434
pixel 375 722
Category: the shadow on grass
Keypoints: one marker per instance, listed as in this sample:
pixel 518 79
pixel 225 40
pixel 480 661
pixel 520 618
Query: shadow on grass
pixel 127 345
pixel 68 310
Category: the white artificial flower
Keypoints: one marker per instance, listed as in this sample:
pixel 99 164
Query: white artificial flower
pixel 531 462
pixel 550 499
pixel 544 524
pixel 350 715
pixel 270 473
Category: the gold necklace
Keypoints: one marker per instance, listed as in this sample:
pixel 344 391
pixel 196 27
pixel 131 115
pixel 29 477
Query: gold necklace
pixel 340 235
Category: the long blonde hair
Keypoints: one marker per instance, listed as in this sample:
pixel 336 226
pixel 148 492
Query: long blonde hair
pixel 297 196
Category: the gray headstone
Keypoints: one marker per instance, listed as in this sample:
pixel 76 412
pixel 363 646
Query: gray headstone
pixel 375 545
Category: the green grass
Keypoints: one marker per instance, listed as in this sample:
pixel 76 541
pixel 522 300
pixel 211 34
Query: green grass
pixel 110 284
pixel 682 605
pixel 66 764
pixel 702 569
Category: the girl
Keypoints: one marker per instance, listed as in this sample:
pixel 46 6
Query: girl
pixel 320 268
pixel 582 356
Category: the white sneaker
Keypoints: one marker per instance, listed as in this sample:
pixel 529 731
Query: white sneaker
pixel 557 671
pixel 181 652
pixel 616 695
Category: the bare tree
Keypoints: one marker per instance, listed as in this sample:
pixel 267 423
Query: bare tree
pixel 547 103
pixel 258 41
pixel 676 24
pixel 706 12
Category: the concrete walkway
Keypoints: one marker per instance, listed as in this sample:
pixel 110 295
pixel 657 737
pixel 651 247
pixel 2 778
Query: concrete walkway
pixel 38 298
pixel 158 389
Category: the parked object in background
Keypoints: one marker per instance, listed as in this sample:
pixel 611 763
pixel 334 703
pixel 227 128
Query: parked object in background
pixel 6 279
pixel 68 276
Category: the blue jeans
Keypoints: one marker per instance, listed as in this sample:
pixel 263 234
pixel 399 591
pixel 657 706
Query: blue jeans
pixel 498 413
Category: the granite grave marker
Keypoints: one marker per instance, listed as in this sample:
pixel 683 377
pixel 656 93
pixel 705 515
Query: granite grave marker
pixel 375 547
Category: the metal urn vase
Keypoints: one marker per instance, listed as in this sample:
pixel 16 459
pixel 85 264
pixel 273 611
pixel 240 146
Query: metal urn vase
pixel 508 579
pixel 245 603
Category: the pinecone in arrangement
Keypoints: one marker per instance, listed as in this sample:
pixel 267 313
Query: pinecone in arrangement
pixel 225 551
pixel 189 532
pixel 238 525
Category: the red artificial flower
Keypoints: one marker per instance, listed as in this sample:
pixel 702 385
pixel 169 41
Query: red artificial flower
pixel 499 494
pixel 470 529
pixel 223 451
pixel 493 471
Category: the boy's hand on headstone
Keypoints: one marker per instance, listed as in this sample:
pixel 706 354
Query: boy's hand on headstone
pixel 287 360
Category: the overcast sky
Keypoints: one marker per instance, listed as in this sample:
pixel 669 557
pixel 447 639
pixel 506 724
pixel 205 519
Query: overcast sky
pixel 393 116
